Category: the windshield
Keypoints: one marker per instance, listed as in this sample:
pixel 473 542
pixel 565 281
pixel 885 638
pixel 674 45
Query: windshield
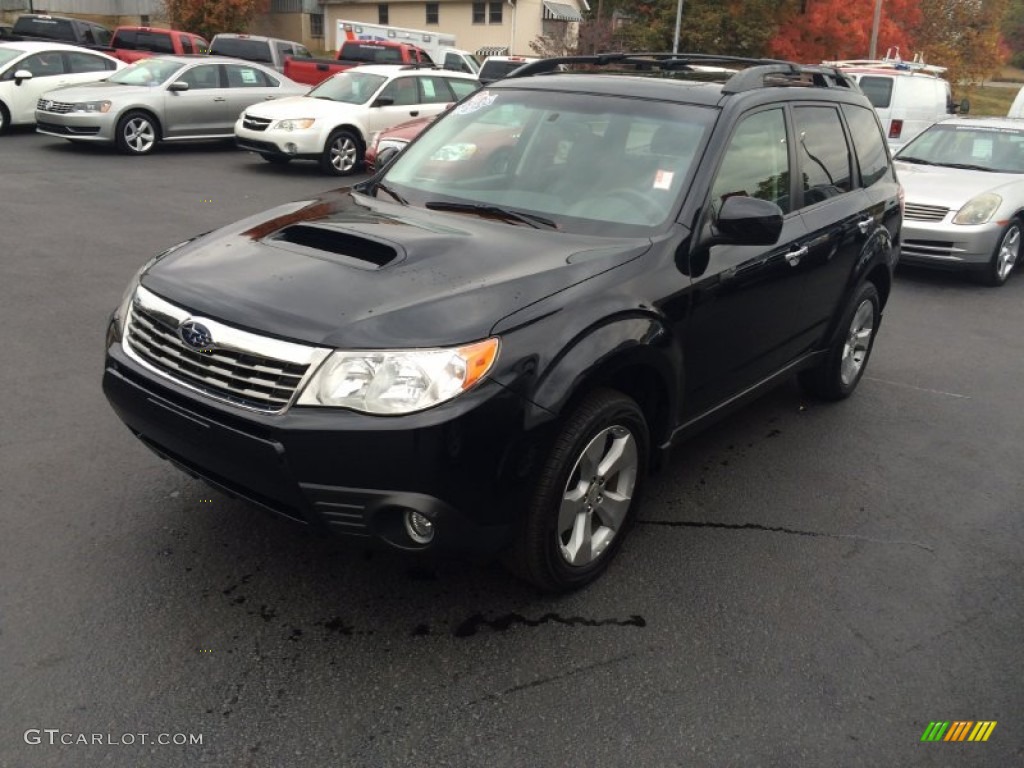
pixel 146 72
pixel 613 166
pixel 348 87
pixel 986 148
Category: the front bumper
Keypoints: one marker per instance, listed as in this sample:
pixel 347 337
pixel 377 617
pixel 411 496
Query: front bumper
pixel 79 126
pixel 297 144
pixel 948 246
pixel 464 465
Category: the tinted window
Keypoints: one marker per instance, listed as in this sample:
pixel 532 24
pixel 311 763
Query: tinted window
pixel 54 29
pixel 86 62
pixel 495 69
pixel 125 38
pixel 302 52
pixel 822 153
pixel 201 45
pixel 202 77
pixel 101 35
pixel 463 87
pixel 157 42
pixel 243 48
pixel 756 162
pixel 246 77
pixel 186 44
pixel 878 90
pixel 44 64
pixel 455 63
pixel 378 54
pixel 868 141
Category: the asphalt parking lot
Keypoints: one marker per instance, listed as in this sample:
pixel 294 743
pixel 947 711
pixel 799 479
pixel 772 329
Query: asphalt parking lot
pixel 809 585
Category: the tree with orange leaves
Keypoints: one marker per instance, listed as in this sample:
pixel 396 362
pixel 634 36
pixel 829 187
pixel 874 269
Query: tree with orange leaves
pixel 208 17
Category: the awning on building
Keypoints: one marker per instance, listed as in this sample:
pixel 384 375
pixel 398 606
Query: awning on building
pixel 492 50
pixel 560 12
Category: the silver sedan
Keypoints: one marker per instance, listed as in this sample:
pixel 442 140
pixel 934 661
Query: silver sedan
pixel 164 98
pixel 963 180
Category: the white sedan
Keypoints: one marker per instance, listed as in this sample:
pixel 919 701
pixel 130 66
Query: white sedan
pixel 29 69
pixel 334 122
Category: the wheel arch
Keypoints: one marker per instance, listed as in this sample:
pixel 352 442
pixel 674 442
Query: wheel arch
pixel 148 111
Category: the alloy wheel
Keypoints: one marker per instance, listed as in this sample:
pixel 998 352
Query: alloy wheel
pixel 1009 249
pixel 344 153
pixel 139 135
pixel 858 342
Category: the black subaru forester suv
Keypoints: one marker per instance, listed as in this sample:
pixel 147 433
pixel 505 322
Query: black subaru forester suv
pixel 488 344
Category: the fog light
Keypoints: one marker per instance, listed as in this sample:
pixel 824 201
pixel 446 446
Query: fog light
pixel 291 149
pixel 419 528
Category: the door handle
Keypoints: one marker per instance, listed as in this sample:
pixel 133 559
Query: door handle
pixel 415 113
pixel 269 98
pixel 219 98
pixel 864 225
pixel 793 257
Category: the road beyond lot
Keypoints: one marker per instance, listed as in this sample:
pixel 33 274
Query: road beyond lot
pixel 808 585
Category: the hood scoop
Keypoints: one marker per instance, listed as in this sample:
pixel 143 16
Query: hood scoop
pixel 354 250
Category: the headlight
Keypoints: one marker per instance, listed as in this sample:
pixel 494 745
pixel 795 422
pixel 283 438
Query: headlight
pixel 91 106
pixel 298 124
pixel 395 381
pixel 979 209
pixel 391 144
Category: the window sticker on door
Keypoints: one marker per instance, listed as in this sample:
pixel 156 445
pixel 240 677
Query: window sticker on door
pixel 477 102
pixel 663 179
pixel 428 88
pixel 982 149
pixel 248 76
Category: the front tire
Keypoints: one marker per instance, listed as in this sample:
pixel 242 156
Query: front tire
pixel 137 133
pixel 587 489
pixel 343 154
pixel 1005 257
pixel 5 119
pixel 838 374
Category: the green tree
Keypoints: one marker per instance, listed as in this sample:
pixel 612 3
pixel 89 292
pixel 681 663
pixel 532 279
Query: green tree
pixel 208 17
pixel 964 35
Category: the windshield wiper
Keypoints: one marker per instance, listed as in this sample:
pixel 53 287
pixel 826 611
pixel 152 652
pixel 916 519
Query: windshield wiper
pixel 915 160
pixel 493 210
pixel 380 185
pixel 968 167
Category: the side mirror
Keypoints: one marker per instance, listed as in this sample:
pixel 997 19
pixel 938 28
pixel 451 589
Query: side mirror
pixel 964 106
pixel 746 221
pixel 22 74
pixel 384 102
pixel 178 86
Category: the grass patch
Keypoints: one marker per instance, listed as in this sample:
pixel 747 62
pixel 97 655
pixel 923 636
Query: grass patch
pixel 986 99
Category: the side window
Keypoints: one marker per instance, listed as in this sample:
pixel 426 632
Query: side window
pixel 435 90
pixel 125 38
pixel 822 153
pixel 869 144
pixel 203 77
pixel 86 62
pixel 463 88
pixel 302 52
pixel 756 162
pixel 240 76
pixel 283 49
pixel 402 92
pixel 44 64
pixel 101 35
pixel 202 46
pixel 157 42
pixel 186 44
pixel 878 90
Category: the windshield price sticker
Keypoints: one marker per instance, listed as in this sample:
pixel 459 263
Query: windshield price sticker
pixel 477 102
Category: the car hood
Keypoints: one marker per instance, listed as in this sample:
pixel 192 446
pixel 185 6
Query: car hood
pixel 102 90
pixel 949 187
pixel 350 271
pixel 299 106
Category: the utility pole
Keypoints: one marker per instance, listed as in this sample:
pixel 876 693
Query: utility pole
pixel 873 52
pixel 679 18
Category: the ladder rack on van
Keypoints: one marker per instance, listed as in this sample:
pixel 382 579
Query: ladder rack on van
pixel 891 62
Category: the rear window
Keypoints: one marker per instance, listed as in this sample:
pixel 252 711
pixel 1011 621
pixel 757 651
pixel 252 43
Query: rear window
pixel 54 29
pixel 143 40
pixel 497 69
pixel 242 48
pixel 878 90
pixel 376 54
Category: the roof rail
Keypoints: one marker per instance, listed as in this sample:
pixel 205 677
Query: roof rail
pixel 759 73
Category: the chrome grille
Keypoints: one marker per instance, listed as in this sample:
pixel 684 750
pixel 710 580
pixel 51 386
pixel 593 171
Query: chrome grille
pixel 924 212
pixel 255 123
pixel 59 107
pixel 236 369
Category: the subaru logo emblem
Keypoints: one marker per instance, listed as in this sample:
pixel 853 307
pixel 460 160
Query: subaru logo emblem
pixel 196 335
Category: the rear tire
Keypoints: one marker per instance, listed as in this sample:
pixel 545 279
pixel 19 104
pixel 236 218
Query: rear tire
pixel 839 373
pixel 5 119
pixel 585 494
pixel 343 154
pixel 1005 256
pixel 137 133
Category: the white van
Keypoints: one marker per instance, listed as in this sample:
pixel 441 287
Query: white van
pixel 908 96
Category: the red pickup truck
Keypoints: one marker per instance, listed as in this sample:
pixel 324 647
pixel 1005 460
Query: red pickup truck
pixel 129 44
pixel 351 54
